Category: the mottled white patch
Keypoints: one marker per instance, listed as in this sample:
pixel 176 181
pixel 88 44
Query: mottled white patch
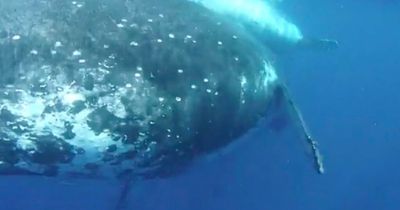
pixel 271 75
pixel 70 98
pixel 243 81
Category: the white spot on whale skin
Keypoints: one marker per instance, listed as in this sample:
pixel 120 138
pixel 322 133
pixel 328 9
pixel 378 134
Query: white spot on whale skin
pixel 159 40
pixel 161 99
pixel 133 43
pixel 16 37
pixel 76 53
pixel 219 43
pixel 193 86
pixel 120 25
pixel 179 99
pixel 34 52
pixel 137 75
pixel 205 80
pixel 82 61
pixel 171 36
pixel 180 71
pixel 57 44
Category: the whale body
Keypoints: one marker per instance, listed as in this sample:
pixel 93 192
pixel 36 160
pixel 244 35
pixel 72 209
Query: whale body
pixel 114 88
pixel 102 88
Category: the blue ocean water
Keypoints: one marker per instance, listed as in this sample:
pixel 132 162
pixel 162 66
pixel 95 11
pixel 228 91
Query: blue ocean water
pixel 349 100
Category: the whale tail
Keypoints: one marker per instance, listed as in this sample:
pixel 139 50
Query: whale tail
pixel 318 44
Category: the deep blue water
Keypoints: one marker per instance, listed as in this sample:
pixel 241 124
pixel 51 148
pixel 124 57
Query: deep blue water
pixel 349 99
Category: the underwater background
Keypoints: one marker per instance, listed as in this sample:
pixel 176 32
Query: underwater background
pixel 350 100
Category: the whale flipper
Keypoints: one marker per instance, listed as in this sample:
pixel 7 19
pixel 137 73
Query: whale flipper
pixel 318 44
pixel 283 98
pixel 127 180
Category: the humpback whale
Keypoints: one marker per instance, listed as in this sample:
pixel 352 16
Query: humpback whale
pixel 102 88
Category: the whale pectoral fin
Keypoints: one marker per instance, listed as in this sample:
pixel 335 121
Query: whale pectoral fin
pixel 282 94
pixel 127 180
pixel 319 44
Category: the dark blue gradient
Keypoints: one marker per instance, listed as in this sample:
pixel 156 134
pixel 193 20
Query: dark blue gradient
pixel 350 99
